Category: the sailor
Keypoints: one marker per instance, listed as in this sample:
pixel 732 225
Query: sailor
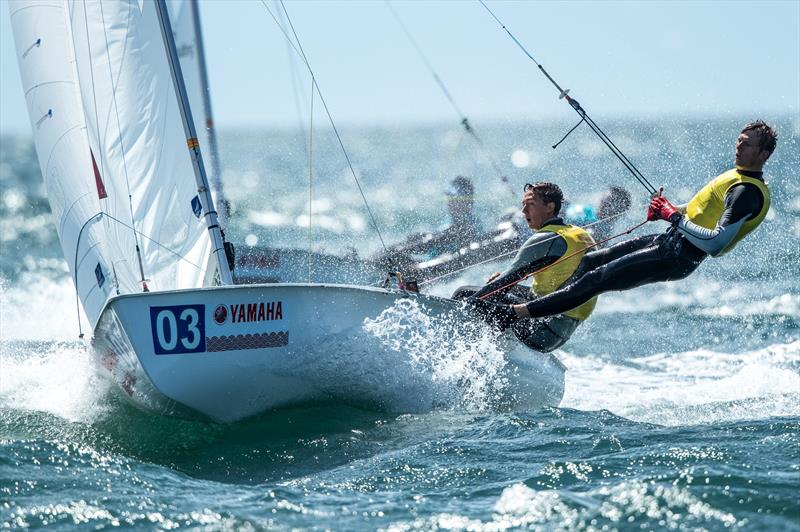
pixel 463 230
pixel 552 241
pixel 720 215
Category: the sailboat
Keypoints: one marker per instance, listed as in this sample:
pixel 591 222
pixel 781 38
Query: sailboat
pixel 126 181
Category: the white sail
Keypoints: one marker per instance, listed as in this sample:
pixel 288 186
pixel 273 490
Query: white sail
pixel 111 146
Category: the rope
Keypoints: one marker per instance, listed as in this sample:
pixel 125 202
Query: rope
pixel 462 117
pixel 508 254
pixel 310 179
pixel 562 259
pixel 299 50
pixel 581 112
pixel 299 102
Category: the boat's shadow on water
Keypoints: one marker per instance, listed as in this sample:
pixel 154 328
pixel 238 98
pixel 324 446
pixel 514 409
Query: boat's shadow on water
pixel 284 444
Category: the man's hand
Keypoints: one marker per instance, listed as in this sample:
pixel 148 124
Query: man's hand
pixel 498 316
pixel 662 209
pixel 492 277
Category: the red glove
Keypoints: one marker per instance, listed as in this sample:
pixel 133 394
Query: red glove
pixel 662 209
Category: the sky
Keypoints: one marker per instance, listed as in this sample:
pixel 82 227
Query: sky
pixel 620 59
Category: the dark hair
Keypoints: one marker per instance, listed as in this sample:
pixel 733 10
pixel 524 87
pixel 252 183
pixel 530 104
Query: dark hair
pixel 767 136
pixel 548 193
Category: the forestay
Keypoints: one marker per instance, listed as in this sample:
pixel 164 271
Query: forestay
pixel 111 146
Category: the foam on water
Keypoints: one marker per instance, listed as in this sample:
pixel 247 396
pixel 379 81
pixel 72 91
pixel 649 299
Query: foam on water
pixel 520 507
pixel 689 388
pixel 56 378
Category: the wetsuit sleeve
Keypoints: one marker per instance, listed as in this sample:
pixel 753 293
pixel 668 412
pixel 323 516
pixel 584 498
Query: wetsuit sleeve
pixel 742 202
pixel 537 252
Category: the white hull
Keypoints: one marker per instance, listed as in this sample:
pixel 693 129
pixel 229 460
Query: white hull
pixel 237 351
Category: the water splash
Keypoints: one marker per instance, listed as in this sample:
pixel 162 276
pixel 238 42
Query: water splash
pixel 56 378
pixel 459 357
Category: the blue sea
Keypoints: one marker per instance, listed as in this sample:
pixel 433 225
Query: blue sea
pixel 682 402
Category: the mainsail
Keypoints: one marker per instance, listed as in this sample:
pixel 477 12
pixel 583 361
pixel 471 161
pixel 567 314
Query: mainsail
pixel 111 147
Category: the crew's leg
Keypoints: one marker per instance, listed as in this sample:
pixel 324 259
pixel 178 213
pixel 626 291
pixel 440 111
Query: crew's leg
pixel 648 265
pixel 595 259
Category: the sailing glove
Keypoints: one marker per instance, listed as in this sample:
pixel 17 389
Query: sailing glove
pixel 498 316
pixel 662 209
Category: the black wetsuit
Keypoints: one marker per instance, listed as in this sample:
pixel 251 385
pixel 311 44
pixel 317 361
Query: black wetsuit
pixel 653 258
pixel 540 250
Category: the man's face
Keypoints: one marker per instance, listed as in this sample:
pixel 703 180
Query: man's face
pixel 536 211
pixel 748 153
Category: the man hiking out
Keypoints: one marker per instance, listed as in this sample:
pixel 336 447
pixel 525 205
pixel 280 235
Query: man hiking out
pixel 553 240
pixel 721 214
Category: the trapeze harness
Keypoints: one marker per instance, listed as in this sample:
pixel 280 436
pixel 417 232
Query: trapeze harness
pixel 565 254
pixel 717 218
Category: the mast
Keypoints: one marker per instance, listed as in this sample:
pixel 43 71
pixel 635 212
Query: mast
pixel 216 177
pixel 203 190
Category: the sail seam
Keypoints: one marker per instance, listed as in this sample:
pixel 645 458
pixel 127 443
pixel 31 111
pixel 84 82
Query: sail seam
pixel 55 145
pixel 35 6
pixel 27 92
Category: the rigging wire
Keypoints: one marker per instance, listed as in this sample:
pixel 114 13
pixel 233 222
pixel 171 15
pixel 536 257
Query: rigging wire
pixel 299 50
pixel 581 112
pixel 310 179
pixel 462 117
pixel 299 102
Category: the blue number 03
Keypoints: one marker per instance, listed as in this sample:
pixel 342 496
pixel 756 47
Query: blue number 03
pixel 178 329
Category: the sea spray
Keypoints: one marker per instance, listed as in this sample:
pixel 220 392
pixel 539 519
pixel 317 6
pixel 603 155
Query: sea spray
pixel 458 356
pixel 56 378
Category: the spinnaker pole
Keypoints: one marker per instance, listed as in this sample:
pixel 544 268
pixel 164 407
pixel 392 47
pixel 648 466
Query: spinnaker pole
pixel 203 189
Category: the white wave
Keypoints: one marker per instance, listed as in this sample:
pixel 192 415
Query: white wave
pixel 689 388
pixel 37 307
pixel 56 378
pixel 521 507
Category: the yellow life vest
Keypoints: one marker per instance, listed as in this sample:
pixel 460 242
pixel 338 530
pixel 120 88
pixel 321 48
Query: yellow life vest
pixel 553 277
pixel 707 205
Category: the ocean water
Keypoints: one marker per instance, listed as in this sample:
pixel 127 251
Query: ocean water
pixel 682 402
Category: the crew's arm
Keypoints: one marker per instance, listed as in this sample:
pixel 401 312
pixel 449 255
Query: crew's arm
pixel 537 252
pixel 742 202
